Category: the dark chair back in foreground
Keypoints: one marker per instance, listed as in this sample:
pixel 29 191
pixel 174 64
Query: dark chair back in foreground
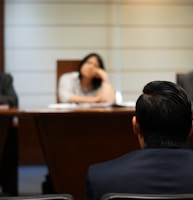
pixel 125 196
pixel 186 81
pixel 41 197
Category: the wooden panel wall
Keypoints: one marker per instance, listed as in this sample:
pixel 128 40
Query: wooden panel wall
pixel 1 35
pixel 156 42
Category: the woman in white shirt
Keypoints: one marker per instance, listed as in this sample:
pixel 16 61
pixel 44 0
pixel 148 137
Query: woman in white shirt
pixel 90 84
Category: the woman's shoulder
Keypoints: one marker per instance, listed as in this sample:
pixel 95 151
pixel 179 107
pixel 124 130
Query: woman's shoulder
pixel 70 75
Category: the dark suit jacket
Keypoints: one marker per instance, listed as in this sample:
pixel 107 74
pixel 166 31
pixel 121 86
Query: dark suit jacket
pixel 153 171
pixel 7 91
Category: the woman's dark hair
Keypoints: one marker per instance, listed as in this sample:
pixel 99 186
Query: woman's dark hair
pixel 164 114
pixel 96 82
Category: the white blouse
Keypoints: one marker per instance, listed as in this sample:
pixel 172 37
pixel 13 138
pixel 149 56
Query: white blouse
pixel 69 84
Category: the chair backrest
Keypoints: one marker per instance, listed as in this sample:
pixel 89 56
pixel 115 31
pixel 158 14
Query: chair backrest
pixel 125 196
pixel 185 80
pixel 41 197
pixel 65 66
pixel 179 77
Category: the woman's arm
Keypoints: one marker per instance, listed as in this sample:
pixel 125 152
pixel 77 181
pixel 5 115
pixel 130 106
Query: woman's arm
pixel 67 84
pixel 106 93
pixel 83 99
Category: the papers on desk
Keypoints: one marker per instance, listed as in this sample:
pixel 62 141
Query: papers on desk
pixel 62 105
pixel 125 104
pixel 91 105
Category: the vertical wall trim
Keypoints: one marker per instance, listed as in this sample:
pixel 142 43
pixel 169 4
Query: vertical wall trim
pixel 1 35
pixel 118 53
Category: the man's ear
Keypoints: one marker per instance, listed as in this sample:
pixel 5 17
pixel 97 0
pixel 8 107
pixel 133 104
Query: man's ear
pixel 137 131
pixel 191 131
pixel 136 128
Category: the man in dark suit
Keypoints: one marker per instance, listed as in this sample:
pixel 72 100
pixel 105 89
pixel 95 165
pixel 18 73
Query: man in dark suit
pixel 163 122
pixel 8 95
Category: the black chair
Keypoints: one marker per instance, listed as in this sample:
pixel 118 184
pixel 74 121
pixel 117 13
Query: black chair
pixel 125 196
pixel 41 197
pixel 185 80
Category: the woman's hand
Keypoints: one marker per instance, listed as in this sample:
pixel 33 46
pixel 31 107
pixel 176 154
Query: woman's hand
pixel 100 73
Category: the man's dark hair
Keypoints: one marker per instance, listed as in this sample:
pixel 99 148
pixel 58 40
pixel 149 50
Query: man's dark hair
pixel 164 114
pixel 96 82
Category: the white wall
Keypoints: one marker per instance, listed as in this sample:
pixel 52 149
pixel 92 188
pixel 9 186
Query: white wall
pixel 156 42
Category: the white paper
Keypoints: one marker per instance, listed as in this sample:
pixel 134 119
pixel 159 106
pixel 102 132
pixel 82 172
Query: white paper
pixel 92 105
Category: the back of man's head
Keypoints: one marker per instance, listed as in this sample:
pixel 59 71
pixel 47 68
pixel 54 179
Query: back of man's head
pixel 164 114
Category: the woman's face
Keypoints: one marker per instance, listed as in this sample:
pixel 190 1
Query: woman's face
pixel 88 69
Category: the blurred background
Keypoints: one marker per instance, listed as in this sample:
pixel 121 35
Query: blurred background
pixel 140 41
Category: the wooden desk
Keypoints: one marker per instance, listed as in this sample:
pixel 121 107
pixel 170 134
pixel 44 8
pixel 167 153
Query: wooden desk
pixel 71 140
pixel 74 139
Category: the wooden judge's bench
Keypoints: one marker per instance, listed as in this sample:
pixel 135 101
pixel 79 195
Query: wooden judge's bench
pixel 72 139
